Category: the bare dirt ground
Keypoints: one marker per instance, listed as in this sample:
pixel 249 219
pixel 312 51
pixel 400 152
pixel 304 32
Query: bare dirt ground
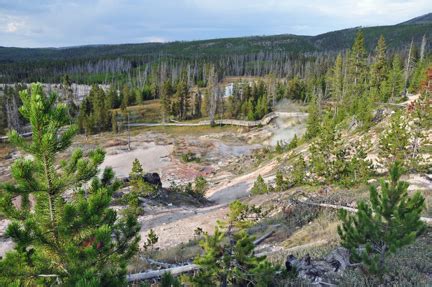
pixel 220 153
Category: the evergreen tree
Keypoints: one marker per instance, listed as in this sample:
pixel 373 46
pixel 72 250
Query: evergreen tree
pixel 358 65
pixel 337 87
pixel 183 99
pixel 94 114
pixel 139 187
pixel 152 239
pixel 394 85
pixel 68 96
pixel 313 123
pixel 390 221
pixel 379 70
pixel 331 161
pixel 250 110
pixel 293 143
pixel 197 105
pixel 200 186
pixel 280 182
pixel 259 186
pixel 393 143
pixel 126 97
pixel 357 77
pixel 75 242
pixel 228 255
pixel 165 96
pixel 298 172
pixel 168 280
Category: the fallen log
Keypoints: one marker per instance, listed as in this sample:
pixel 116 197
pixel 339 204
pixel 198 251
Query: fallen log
pixel 180 269
pixel 264 237
pixel 427 220
pixel 158 273
pixel 158 263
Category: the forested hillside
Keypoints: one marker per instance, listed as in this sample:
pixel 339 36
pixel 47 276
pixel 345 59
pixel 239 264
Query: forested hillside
pixel 256 56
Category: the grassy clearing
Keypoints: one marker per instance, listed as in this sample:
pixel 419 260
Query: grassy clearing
pixel 148 112
pixel 322 229
pixel 195 130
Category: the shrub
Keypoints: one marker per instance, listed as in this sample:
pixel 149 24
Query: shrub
pixel 259 186
pixel 200 186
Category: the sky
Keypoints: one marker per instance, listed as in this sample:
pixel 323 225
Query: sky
pixel 61 23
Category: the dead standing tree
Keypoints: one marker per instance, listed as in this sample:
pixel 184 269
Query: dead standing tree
pixel 214 93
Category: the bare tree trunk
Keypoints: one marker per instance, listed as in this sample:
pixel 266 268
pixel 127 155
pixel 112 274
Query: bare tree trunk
pixel 408 68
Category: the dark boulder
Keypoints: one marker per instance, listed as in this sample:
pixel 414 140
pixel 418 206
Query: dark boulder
pixel 153 178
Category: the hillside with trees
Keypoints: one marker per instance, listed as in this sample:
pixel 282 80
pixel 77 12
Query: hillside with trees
pixel 343 199
pixel 253 56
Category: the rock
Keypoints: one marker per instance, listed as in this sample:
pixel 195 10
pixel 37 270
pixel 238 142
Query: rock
pixel 317 271
pixel 153 178
pixel 118 194
pixel 378 116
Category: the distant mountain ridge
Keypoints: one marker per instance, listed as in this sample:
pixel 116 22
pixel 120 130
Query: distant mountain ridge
pixel 19 63
pixel 396 36
pixel 424 19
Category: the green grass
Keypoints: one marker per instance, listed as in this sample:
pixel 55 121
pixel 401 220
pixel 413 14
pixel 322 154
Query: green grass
pixel 148 112
pixel 193 130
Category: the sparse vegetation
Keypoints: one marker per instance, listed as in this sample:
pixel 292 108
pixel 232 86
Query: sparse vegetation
pixel 71 225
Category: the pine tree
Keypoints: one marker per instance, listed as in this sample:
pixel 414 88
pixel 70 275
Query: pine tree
pixel 313 123
pixel 337 86
pixel 127 99
pixel 76 242
pixel 114 125
pixel 183 98
pixel 293 143
pixel 200 186
pixel 165 95
pixel 197 105
pixel 280 182
pixel 393 143
pixel 357 76
pixel 152 239
pixel 228 255
pixel 137 171
pixel 390 221
pixel 250 110
pixel 298 173
pixel 259 186
pixel 332 161
pixel 357 64
pixel 68 97
pixel 168 280
pixel 395 82
pixel 379 70
pixel 139 187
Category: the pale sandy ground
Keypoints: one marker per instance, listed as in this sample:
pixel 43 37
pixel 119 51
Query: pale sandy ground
pixel 154 158
pixel 177 224
pixel 174 224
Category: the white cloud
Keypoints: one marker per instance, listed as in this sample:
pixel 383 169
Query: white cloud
pixel 153 39
pixel 11 24
pixel 77 22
